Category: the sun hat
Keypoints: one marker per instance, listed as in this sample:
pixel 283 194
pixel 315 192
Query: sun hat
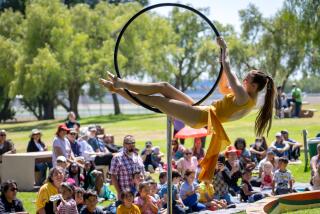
pixel 232 149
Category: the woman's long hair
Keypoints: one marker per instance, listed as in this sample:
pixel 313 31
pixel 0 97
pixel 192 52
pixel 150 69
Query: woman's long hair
pixel 264 119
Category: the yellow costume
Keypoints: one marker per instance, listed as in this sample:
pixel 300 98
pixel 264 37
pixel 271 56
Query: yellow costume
pixel 219 112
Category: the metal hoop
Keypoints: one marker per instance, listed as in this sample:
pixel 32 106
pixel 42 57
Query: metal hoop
pixel 150 8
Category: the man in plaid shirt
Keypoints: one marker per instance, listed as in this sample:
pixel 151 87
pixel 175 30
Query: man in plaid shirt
pixel 124 165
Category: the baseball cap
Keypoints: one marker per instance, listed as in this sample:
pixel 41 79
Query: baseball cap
pixel 61 158
pixel 63 127
pixel 278 134
pixel 73 130
pixel 129 139
pixel 92 128
pixel 284 132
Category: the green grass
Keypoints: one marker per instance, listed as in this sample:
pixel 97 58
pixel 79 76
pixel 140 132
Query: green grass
pixel 153 127
pixel 306 211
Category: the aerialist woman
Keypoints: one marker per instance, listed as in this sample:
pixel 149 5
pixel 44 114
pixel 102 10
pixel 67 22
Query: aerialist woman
pixel 239 100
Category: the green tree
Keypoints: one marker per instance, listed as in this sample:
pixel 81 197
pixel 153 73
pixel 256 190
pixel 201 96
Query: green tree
pixel 8 58
pixel 278 40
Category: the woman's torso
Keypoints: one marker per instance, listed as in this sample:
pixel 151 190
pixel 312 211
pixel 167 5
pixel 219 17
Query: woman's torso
pixel 227 110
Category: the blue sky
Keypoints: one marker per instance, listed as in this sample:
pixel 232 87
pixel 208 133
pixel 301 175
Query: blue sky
pixel 226 11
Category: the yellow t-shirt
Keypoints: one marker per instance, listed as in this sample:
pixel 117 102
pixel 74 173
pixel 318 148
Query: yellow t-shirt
pixel 134 209
pixel 205 189
pixel 44 194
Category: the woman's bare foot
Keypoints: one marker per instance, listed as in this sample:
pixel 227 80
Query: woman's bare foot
pixel 108 84
pixel 117 83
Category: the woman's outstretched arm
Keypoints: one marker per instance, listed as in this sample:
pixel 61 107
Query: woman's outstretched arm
pixel 241 96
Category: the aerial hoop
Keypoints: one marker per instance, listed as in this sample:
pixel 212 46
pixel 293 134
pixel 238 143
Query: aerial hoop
pixel 150 8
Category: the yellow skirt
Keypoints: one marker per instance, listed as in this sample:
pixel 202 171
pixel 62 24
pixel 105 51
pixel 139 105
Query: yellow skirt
pixel 219 142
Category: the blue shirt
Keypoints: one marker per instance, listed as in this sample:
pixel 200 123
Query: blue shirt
pixel 75 147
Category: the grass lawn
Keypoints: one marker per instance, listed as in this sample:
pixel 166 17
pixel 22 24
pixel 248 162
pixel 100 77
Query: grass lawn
pixel 153 127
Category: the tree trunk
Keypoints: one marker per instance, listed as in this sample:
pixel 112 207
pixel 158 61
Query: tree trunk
pixel 48 108
pixel 116 104
pixel 6 112
pixel 74 95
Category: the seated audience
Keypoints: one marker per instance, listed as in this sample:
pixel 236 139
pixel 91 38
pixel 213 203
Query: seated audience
pixel 75 147
pixel 206 192
pixel 147 156
pixel 294 150
pixel 188 161
pixel 61 145
pixel 235 167
pixel 189 192
pixel 6 146
pixel 221 181
pixel 267 175
pixel 177 204
pixel 91 201
pixel 154 193
pixel 177 150
pixel 9 203
pixel 259 149
pixel 72 122
pixel 271 158
pixel 197 149
pixel 280 147
pixel 50 188
pixel 245 155
pixel 146 203
pixel 247 193
pixel 162 178
pixel 157 156
pixel 108 141
pixel 74 173
pixel 67 205
pixel 36 145
pixel 316 180
pixel 282 181
pixel 78 197
pixel 137 180
pixel 103 156
pixel 127 205
pixel 315 162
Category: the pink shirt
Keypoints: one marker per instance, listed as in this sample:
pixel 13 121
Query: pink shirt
pixel 183 164
pixel 140 202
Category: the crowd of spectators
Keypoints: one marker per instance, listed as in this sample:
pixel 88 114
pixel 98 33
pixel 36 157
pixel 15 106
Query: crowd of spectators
pixel 75 183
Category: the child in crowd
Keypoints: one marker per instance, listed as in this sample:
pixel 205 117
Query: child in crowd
pixel 157 157
pixel 259 149
pixel 188 192
pixel 206 192
pixel 78 196
pixel 154 192
pixel 282 179
pixel 146 203
pixel 127 206
pixel 68 204
pixel 137 179
pixel 177 204
pixel 267 175
pixel 162 178
pixel 91 200
pixel 245 155
pixel 246 192
pixel 221 181
pixel 316 179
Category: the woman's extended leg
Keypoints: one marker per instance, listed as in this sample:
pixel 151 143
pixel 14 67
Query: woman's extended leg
pixel 191 115
pixel 163 88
